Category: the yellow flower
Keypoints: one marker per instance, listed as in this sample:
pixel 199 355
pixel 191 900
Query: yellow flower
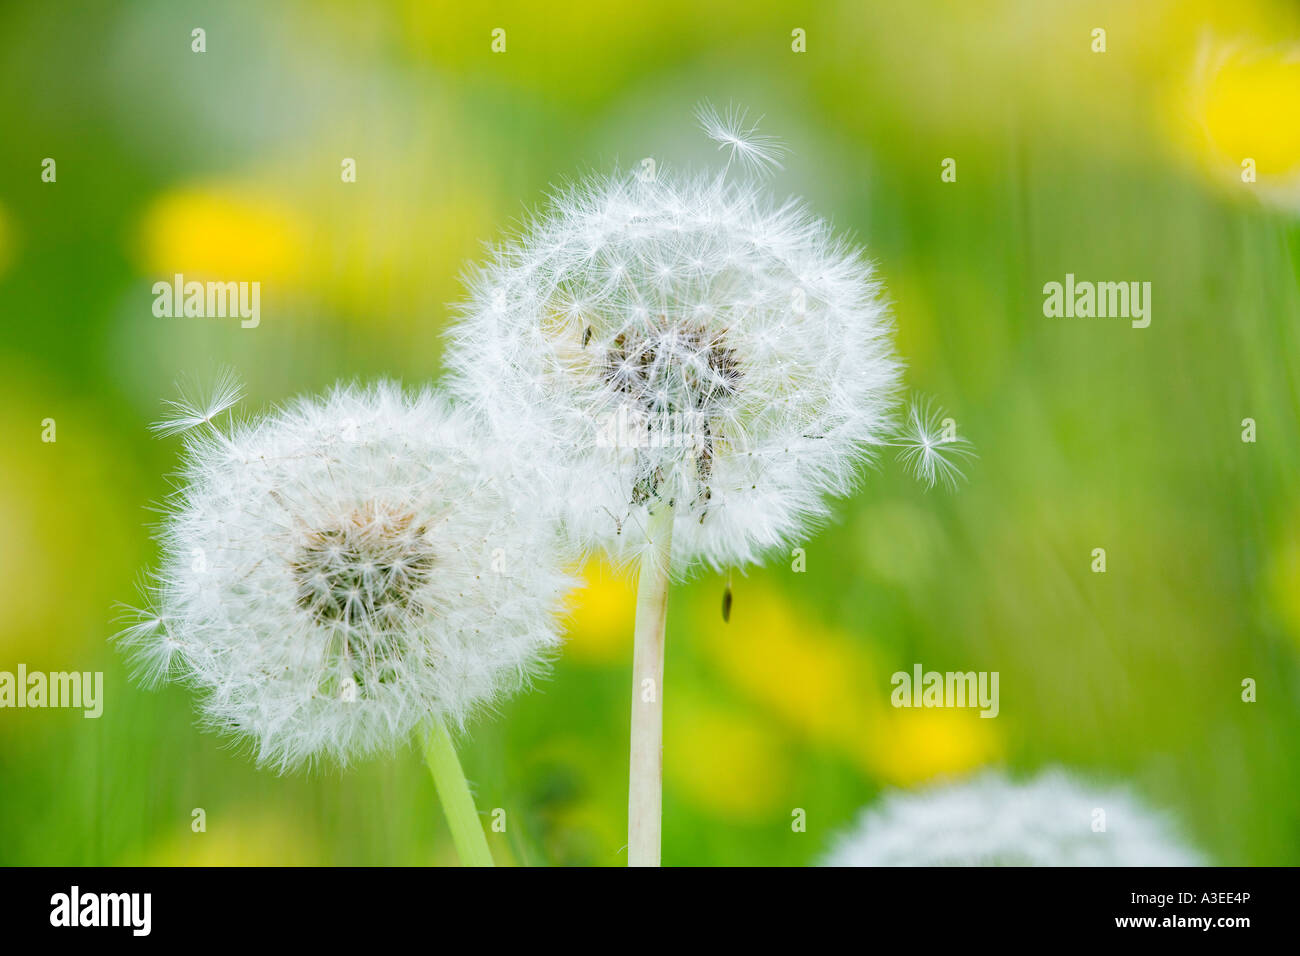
pixel 602 616
pixel 814 679
pixel 911 745
pixel 822 683
pixel 222 233
pixel 1252 108
pixel 1244 104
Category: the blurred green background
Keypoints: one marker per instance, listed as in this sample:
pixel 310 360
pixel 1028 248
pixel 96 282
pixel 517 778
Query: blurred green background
pixel 1122 165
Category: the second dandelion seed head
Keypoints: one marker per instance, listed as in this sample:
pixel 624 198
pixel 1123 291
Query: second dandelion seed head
pixel 681 341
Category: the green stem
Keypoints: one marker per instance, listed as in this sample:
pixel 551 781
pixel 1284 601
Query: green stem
pixel 453 791
pixel 645 776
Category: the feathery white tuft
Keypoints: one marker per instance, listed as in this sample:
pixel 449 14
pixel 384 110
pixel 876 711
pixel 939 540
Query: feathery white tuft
pixel 928 449
pixel 757 152
pixel 338 571
pixel 681 341
pixel 992 821
pixel 187 413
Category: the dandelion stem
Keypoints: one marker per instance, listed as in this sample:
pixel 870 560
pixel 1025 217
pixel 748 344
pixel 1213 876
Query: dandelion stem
pixel 645 778
pixel 453 791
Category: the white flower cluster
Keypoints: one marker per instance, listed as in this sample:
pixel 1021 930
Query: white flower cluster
pixel 1051 820
pixel 338 571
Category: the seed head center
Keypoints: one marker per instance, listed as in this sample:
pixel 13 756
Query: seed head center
pixel 673 368
pixel 364 571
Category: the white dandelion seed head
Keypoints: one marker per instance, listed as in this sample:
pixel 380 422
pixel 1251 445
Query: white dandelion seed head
pixel 930 446
pixel 681 341
pixel 757 152
pixel 990 820
pixel 339 570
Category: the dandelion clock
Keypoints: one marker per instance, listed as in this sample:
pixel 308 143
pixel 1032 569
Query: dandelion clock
pixel 344 571
pixel 698 367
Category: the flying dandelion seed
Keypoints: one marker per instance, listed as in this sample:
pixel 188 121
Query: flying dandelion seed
pixel 1051 820
pixel 187 413
pixel 757 152
pixel 931 447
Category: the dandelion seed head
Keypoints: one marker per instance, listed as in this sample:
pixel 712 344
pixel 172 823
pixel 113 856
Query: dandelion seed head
pixel 341 569
pixel 737 365
pixel 989 820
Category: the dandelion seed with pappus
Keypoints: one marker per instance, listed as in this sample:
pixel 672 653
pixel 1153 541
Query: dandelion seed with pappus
pixel 757 152
pixel 931 448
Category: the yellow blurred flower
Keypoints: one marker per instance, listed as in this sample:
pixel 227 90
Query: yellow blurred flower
pixel 812 678
pixel 725 761
pixel 824 684
pixel 1244 101
pixel 911 745
pixel 384 249
pixel 601 616
pixel 222 232
pixel 1252 108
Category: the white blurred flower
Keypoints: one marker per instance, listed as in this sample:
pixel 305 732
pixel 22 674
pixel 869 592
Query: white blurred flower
pixel 992 821
pixel 187 413
pixel 339 571
pixel 680 340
